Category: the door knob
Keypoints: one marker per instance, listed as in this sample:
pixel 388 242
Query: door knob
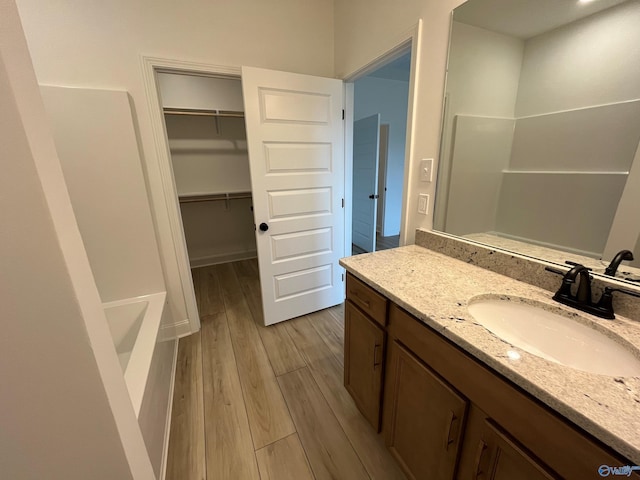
pixel 372 196
pixel 264 227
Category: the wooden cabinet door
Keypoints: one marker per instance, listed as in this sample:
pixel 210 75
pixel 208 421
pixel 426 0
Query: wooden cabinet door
pixel 363 357
pixel 500 457
pixel 423 417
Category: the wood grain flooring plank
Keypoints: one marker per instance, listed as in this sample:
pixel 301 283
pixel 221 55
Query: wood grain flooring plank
pixel 328 449
pixel 186 454
pixel 229 447
pixel 330 330
pixel 246 269
pixel 209 288
pixel 284 460
pixel 269 417
pixel 230 287
pixel 328 374
pixel 281 350
pixel 338 313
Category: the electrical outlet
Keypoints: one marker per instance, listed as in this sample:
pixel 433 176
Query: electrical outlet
pixel 423 203
pixel 426 170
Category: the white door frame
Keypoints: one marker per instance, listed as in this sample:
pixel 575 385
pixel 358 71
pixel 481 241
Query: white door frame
pixel 151 66
pixel 382 175
pixel 396 48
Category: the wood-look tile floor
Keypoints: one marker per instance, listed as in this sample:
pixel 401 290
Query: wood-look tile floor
pixel 256 402
pixel 382 243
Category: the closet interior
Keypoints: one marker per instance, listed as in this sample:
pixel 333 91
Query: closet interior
pixel 204 117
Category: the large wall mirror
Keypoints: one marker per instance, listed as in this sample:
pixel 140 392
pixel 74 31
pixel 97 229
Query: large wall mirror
pixel 541 129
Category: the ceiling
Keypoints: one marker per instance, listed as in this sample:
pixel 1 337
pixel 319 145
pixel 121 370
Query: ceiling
pixel 527 18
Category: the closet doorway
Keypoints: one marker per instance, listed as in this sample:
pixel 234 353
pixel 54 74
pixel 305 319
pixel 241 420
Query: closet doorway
pixel 204 118
pixel 288 171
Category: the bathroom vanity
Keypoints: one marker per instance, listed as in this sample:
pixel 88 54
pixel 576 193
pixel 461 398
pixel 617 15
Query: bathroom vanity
pixel 453 400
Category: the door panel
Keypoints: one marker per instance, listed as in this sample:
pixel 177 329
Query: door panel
pixel 311 242
pixel 423 418
pixel 364 354
pixel 366 144
pixel 286 157
pixel 499 457
pixel 295 141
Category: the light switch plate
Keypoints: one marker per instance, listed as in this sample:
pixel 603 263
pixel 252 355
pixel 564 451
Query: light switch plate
pixel 426 170
pixel 423 203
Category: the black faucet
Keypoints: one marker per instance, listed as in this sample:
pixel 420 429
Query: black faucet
pixel 583 293
pixel 615 263
pixel 582 299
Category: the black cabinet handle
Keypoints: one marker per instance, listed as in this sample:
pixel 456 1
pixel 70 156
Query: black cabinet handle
pixel 372 196
pixel 264 227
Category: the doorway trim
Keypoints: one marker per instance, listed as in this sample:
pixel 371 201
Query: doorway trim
pixel 175 238
pixel 409 39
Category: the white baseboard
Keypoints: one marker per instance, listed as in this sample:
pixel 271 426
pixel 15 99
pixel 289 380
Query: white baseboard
pixel 175 330
pixel 222 258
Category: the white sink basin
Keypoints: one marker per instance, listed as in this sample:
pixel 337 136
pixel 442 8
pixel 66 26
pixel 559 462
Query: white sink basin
pixel 554 336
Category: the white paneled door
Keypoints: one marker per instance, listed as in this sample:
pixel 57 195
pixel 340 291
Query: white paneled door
pixel 366 145
pixel 295 139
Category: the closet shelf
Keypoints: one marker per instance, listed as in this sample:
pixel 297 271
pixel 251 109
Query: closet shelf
pixel 211 197
pixel 203 113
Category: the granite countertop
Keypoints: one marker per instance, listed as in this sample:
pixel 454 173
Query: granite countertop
pixel 625 272
pixel 436 289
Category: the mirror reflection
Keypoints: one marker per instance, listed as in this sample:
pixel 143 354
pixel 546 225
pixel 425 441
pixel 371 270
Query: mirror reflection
pixel 541 128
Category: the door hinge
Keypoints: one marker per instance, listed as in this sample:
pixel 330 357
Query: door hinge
pixel 343 203
pixel 343 113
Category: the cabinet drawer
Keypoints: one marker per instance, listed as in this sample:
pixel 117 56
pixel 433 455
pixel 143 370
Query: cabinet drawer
pixel 367 299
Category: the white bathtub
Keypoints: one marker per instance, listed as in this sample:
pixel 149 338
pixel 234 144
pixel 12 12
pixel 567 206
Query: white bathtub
pixel 134 325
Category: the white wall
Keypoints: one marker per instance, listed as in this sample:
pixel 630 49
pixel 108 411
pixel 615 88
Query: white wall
pixel 208 155
pixel 63 400
pixel 480 153
pixel 625 225
pixel 482 80
pixel 364 30
pixel 388 98
pixel 155 409
pixel 97 146
pixel 200 93
pixel 590 62
pixel 484 72
pixel 578 67
pixel 97 44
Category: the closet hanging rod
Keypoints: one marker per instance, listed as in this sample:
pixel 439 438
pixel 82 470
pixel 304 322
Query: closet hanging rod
pixel 214 196
pixel 203 113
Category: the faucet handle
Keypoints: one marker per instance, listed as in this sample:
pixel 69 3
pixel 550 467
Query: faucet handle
pixel 574 264
pixel 604 307
pixel 554 270
pixel 610 290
